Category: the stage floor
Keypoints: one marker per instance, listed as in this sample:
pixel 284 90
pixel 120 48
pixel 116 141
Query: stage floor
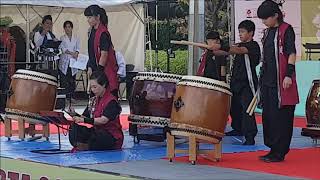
pixel 146 160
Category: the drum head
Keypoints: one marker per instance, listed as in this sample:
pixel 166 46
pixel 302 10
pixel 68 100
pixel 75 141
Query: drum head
pixel 202 82
pixel 35 76
pixel 160 77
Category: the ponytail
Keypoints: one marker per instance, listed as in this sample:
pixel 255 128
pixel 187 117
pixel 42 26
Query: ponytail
pixel 103 17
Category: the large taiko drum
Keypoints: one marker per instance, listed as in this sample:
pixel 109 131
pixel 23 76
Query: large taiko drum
pixel 201 108
pixel 152 97
pixel 313 106
pixel 31 92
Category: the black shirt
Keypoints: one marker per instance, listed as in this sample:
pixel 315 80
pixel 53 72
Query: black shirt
pixel 213 66
pixel 239 77
pixel 105 43
pixel 270 66
pixel 111 111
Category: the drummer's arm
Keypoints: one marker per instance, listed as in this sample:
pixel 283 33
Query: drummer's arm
pixel 110 113
pixel 233 49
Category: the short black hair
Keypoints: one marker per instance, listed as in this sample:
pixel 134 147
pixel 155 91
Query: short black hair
pixel 213 35
pixel 247 25
pixel 268 9
pixel 66 23
pixel 100 77
pixel 46 17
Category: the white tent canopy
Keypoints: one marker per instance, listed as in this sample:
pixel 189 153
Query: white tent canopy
pixel 125 22
pixel 67 3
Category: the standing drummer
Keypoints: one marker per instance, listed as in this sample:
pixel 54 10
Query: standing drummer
pixel 212 66
pixel 244 82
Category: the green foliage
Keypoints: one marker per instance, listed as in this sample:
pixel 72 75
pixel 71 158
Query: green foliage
pixel 216 17
pixel 178 65
pixel 167 31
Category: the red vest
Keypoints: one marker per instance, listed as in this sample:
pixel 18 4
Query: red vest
pixel 290 95
pixel 111 66
pixel 112 126
pixel 202 65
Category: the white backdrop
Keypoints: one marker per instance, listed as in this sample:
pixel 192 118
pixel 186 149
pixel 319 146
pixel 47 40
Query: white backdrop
pixel 291 9
pixel 126 29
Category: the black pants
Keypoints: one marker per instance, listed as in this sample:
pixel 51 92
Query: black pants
pixel 277 122
pixel 242 121
pixel 96 139
pixel 68 82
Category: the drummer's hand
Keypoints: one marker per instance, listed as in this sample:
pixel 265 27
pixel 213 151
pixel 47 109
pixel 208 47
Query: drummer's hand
pixel 287 82
pixel 78 119
pixel 75 55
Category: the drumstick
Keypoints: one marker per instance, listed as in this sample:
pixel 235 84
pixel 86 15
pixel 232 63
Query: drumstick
pixel 252 103
pixel 253 107
pixel 190 43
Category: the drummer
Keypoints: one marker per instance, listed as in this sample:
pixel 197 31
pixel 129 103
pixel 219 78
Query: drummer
pixel 106 132
pixel 244 82
pixel 212 66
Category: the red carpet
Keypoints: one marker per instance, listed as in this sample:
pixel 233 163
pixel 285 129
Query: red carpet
pixel 54 129
pixel 298 121
pixel 303 163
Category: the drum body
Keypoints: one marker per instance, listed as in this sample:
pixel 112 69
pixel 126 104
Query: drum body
pixel 31 92
pixel 152 97
pixel 201 108
pixel 313 106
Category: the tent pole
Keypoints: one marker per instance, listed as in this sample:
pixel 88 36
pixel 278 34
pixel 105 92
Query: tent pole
pixel 27 37
pixel 156 55
pixel 149 38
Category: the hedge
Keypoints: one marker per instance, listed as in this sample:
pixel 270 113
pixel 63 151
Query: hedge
pixel 178 65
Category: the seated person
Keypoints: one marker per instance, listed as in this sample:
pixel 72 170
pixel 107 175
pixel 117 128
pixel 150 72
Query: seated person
pixel 45 33
pixel 106 132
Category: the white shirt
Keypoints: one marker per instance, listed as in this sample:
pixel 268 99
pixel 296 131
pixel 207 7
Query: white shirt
pixel 38 38
pixel 121 64
pixel 72 45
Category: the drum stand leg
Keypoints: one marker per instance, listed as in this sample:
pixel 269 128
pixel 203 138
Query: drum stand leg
pixel 46 131
pixel 8 128
pixel 170 146
pixel 194 150
pixel 21 128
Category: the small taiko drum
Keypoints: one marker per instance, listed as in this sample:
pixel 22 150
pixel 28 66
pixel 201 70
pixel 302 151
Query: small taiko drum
pixel 30 93
pixel 313 110
pixel 200 108
pixel 152 97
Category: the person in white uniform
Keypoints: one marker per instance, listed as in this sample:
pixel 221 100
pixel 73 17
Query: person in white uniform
pixel 45 33
pixel 70 46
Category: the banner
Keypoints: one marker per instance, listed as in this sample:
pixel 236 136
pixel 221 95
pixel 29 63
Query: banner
pixel 247 9
pixel 25 170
